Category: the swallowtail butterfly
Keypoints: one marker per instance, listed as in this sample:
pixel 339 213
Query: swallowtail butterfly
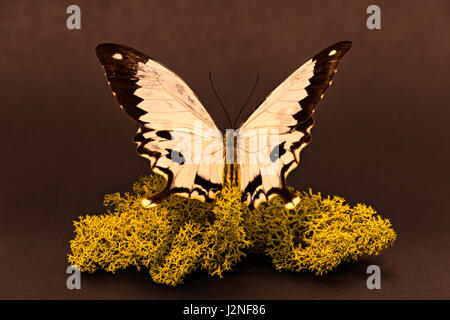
pixel 183 143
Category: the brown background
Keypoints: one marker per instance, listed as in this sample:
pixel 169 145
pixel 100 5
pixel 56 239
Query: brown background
pixel 381 134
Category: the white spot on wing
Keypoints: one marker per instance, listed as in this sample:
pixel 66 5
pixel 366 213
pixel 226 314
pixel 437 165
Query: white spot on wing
pixel 289 206
pixel 117 56
pixel 332 52
pixel 147 203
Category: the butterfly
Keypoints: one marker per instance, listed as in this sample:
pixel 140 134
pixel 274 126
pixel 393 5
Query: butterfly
pixel 184 145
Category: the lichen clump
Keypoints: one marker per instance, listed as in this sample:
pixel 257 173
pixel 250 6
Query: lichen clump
pixel 182 235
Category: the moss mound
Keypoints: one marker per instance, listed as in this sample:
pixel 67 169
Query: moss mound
pixel 182 235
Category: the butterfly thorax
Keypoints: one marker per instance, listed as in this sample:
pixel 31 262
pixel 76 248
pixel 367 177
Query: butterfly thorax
pixel 230 142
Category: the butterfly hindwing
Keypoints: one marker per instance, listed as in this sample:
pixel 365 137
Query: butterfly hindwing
pixel 281 128
pixel 176 133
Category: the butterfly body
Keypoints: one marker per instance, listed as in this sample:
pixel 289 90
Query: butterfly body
pixel 183 143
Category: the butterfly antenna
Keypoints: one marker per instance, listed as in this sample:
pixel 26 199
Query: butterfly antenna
pixel 248 99
pixel 218 98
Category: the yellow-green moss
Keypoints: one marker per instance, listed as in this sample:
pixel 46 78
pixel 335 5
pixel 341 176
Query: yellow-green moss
pixel 182 235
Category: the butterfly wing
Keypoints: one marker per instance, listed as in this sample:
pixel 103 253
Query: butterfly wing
pixel 176 133
pixel 270 140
